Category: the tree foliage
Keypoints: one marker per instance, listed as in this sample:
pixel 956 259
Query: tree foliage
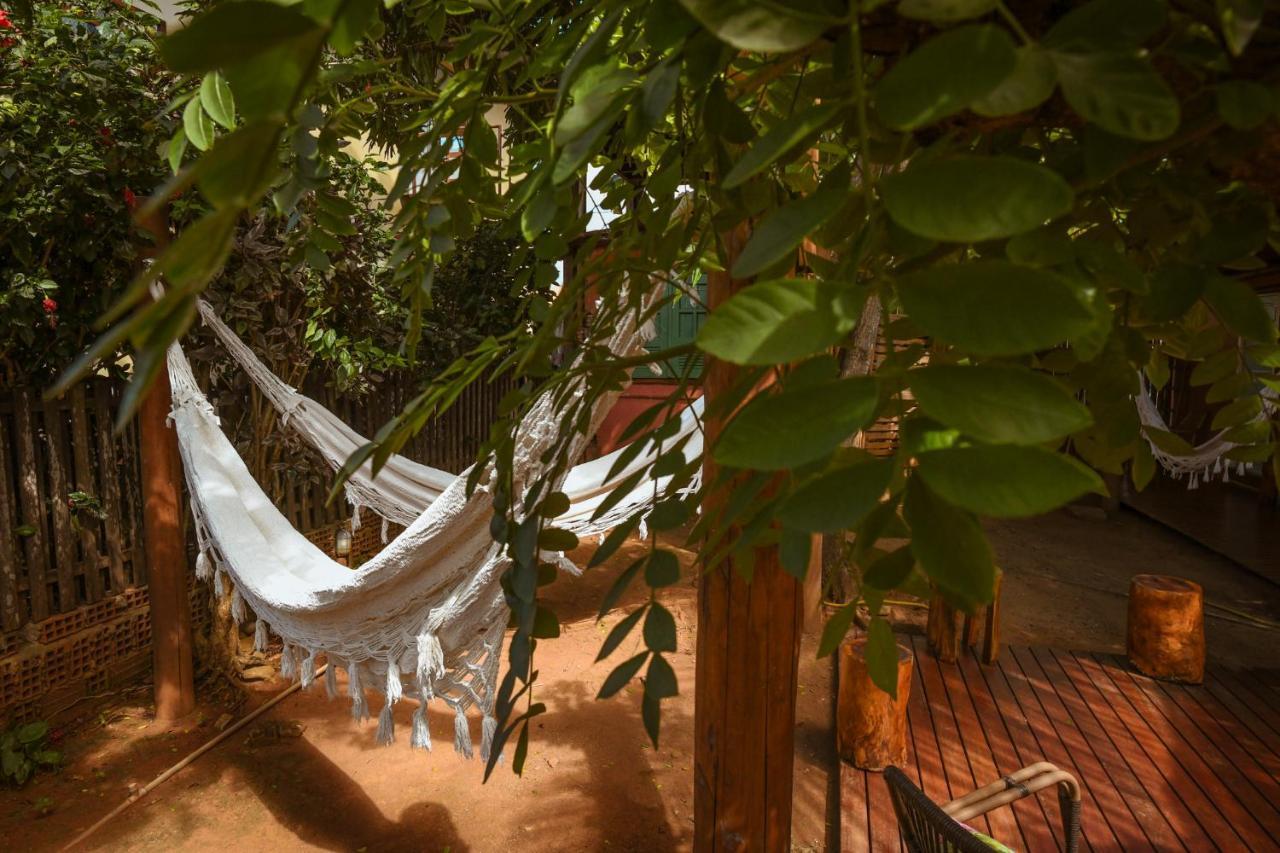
pixel 82 98
pixel 1054 196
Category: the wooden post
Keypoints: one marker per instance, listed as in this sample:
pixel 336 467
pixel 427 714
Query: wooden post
pixel 166 548
pixel 747 656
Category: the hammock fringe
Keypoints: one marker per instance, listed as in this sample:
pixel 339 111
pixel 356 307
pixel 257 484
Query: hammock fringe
pixel 462 742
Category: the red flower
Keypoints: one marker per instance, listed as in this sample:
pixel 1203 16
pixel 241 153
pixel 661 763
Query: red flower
pixel 105 133
pixel 49 305
pixel 7 42
pixel 130 200
pixel 5 23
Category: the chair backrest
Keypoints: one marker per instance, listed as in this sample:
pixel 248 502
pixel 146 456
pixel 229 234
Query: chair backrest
pixel 926 828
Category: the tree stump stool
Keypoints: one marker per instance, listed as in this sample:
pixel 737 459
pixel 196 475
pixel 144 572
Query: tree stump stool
pixel 1166 628
pixel 871 725
pixel 946 636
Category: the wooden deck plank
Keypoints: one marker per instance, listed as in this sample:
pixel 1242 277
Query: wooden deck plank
pixel 1221 781
pixel 1087 765
pixel 955 761
pixel 1162 766
pixel 1002 821
pixel 1026 813
pixel 1189 802
pixel 1252 733
pixel 1128 767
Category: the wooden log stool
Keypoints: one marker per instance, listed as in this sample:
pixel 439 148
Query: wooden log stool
pixel 946 635
pixel 1166 628
pixel 871 725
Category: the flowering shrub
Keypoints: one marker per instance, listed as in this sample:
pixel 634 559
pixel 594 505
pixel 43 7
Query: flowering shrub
pixel 82 119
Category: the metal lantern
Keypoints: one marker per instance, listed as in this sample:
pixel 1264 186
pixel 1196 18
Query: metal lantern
pixel 342 543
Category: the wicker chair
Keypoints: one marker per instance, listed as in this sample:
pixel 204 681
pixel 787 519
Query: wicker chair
pixel 930 828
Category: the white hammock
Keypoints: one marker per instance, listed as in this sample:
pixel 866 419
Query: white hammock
pixel 1206 460
pixel 403 489
pixel 428 607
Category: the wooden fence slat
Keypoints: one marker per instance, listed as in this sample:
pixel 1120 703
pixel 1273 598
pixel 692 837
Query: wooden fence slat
pixel 10 617
pixel 109 470
pixel 82 454
pixel 32 499
pixel 63 533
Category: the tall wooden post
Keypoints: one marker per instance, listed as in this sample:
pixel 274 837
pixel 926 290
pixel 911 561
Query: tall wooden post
pixel 166 548
pixel 747 657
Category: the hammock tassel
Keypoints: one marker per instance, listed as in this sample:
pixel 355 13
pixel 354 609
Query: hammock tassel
pixel 386 528
pixel 359 707
pixel 219 586
pixel 308 675
pixel 386 726
pixel 394 689
pixel 204 566
pixel 462 734
pixel 331 680
pixel 489 729
pixel 430 661
pixel 238 614
pixel 355 517
pixel 421 735
pixel 260 637
pixel 288 666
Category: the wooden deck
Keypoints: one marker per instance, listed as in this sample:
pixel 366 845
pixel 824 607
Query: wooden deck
pixel 1162 767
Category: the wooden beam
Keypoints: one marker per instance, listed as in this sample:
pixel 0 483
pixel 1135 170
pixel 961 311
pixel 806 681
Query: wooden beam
pixel 747 657
pixel 166 556
pixel 166 547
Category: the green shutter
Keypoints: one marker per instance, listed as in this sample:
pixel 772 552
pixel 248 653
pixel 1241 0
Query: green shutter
pixel 678 322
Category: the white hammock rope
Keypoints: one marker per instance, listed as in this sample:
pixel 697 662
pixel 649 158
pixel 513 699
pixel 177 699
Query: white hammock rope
pixel 1207 459
pixel 403 488
pixel 428 608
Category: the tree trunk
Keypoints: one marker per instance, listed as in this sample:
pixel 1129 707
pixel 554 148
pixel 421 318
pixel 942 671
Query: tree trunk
pixel 747 656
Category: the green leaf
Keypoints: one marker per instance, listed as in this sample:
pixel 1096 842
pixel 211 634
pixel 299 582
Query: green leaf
pixel 784 229
pixel 215 97
pixel 557 539
pixel 1245 104
pixel 660 629
pixel 747 25
pixel 785 135
pixel 950 546
pixel 924 86
pixel 177 147
pixel 1005 405
pixel 1174 289
pixel 621 675
pixel 546 626
pixel 1169 442
pixel 882 656
pixel 197 125
pixel 232 173
pixel 835 629
pixel 944 11
pixel 32 732
pixel 782 320
pixel 1106 25
pixel 480 140
pixel 231 33
pixel 1120 93
pixel 793 427
pixel 1032 82
pixel 658 91
pixel 1006 480
pixel 837 500
pixel 620 632
pixel 1239 307
pixel 662 568
pixel 795 547
pixel 891 570
pixel 660 682
pixel 1240 20
pixel 994 307
pixel 970 199
pixel 355 18
pixel 1237 412
pixel 538 214
pixel 1144 466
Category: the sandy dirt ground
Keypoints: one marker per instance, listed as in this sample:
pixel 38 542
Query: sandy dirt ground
pixel 305 777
